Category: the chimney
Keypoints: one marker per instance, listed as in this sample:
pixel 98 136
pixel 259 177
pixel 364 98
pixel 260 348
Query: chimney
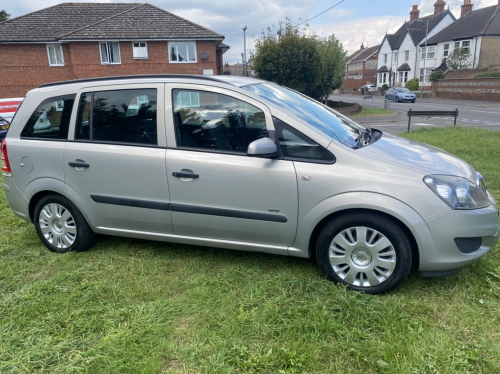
pixel 363 44
pixel 439 6
pixel 414 14
pixel 467 7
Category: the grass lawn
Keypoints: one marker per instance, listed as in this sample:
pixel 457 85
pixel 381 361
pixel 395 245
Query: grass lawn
pixel 135 306
pixel 373 112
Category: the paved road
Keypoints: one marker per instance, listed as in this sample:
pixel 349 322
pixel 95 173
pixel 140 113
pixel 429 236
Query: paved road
pixel 483 114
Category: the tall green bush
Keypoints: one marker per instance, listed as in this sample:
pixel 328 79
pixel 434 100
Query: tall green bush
pixel 412 84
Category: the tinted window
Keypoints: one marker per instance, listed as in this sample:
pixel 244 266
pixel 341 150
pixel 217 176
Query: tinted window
pixel 213 121
pixel 121 116
pixel 296 146
pixel 51 119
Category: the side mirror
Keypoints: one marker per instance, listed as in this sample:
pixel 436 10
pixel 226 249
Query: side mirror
pixel 264 147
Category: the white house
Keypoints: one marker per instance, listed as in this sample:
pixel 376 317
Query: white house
pixel 399 55
pixel 478 32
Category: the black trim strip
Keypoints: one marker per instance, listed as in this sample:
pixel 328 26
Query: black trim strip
pixel 131 202
pixel 188 208
pixel 227 213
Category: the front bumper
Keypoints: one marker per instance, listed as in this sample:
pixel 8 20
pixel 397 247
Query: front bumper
pixel 407 98
pixel 435 238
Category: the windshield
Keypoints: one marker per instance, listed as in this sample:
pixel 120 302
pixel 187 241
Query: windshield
pixel 404 90
pixel 312 112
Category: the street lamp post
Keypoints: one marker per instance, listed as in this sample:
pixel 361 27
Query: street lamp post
pixel 245 49
pixel 426 36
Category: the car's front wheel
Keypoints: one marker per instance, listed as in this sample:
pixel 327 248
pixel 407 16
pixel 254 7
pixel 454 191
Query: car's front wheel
pixel 61 226
pixel 365 251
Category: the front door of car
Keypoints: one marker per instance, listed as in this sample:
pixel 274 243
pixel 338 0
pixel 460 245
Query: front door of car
pixel 216 190
pixel 114 163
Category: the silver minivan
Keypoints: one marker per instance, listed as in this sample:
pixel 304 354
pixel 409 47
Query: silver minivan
pixel 243 164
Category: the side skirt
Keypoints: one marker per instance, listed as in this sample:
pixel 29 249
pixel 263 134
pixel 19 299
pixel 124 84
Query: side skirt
pixel 207 242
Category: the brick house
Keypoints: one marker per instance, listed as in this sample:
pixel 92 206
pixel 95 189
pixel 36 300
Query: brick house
pixel 85 40
pixel 364 64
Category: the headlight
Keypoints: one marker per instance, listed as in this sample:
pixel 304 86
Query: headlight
pixel 458 193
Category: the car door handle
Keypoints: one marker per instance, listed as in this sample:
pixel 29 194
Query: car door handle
pixel 185 175
pixel 78 165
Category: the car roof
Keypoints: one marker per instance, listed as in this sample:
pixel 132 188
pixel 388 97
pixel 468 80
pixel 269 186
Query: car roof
pixel 227 79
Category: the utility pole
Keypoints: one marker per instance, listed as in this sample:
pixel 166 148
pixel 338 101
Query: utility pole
pixel 245 48
pixel 426 36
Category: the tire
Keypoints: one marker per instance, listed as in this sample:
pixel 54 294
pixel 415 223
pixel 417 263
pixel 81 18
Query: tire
pixel 399 100
pixel 61 226
pixel 377 266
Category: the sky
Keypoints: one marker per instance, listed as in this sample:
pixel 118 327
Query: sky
pixel 353 22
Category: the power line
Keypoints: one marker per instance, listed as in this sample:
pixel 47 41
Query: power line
pixel 317 15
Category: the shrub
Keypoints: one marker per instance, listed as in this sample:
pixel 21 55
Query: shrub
pixel 436 75
pixel 385 87
pixel 412 84
pixel 488 74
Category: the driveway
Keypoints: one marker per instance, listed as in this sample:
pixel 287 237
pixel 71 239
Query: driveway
pixel 482 114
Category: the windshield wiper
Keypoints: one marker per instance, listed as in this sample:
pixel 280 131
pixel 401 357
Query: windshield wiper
pixel 364 138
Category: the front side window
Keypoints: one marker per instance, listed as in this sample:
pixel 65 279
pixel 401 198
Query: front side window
pixel 110 53
pixel 212 121
pixel 120 116
pixel 51 119
pixel 310 111
pixel 182 52
pixel 140 49
pixel 55 55
pixel 296 146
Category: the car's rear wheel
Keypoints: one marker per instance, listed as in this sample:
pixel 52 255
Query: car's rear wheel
pixel 367 252
pixel 61 226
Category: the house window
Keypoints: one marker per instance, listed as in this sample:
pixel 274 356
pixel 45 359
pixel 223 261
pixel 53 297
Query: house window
pixel 431 52
pixel 182 52
pixel 446 50
pixel 406 77
pixel 110 53
pixel 422 57
pixel 385 58
pixel 466 46
pixel 140 49
pixel 407 56
pixel 424 75
pixel 188 99
pixel 382 78
pixel 403 76
pixel 55 55
pixel 457 45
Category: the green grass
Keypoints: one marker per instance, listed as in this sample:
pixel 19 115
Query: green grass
pixel 134 306
pixel 373 112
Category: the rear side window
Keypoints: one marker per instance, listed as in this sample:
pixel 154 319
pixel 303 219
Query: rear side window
pixel 51 119
pixel 119 116
pixel 296 146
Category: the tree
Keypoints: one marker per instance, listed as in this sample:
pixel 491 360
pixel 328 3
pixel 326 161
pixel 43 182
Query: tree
pixel 412 84
pixel 459 59
pixel 332 74
pixel 4 16
pixel 300 60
